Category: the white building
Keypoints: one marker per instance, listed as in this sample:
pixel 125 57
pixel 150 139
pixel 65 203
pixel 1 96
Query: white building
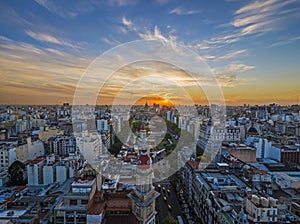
pixel 61 173
pixel 29 150
pixel 194 127
pixel 183 122
pixel 261 209
pixel 229 134
pixel 168 115
pixel 7 156
pixel 102 125
pixel 48 177
pixel 35 171
pixel 264 148
pixel 90 147
pixel 48 170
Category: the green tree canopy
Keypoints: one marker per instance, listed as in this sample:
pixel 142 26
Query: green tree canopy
pixel 169 220
pixel 16 173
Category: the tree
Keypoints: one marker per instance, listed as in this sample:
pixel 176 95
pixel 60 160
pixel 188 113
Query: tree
pixel 169 220
pixel 168 136
pixel 199 150
pixel 115 148
pixel 16 173
pixel 136 125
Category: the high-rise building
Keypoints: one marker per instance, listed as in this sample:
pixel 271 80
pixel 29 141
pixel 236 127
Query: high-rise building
pixel 62 145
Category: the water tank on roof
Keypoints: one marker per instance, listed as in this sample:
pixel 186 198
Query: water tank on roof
pixel 273 201
pixel 255 199
pixel 264 202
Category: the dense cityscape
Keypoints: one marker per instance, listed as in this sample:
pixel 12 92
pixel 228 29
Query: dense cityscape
pixel 149 112
pixel 47 177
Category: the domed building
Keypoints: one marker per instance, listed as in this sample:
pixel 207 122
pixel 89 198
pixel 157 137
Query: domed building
pixel 252 131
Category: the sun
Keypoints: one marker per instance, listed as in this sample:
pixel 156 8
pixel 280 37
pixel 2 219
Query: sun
pixel 166 102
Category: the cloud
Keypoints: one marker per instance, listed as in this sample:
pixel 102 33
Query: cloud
pixel 121 2
pixel 68 10
pixel 157 35
pixel 180 11
pixel 229 76
pixel 255 18
pixel 127 26
pixel 232 54
pixel 208 57
pixel 55 51
pixel 152 77
pixel 33 75
pixel 259 16
pixel 214 42
pixel 110 41
pixel 238 68
pixel 284 42
pixel 51 7
pixel 53 40
pixel 9 15
pixel 122 29
pixel 157 76
pixel 228 80
pixel 259 6
pixel 126 22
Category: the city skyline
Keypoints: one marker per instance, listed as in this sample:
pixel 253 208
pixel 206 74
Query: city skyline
pixel 250 46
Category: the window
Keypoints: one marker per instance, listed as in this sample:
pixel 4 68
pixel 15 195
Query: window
pixel 84 202
pixel 73 202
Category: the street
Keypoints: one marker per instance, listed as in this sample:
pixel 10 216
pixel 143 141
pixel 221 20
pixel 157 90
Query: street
pixel 171 199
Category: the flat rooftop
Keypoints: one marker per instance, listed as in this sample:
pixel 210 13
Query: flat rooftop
pixel 13 213
pixel 83 183
pixel 37 160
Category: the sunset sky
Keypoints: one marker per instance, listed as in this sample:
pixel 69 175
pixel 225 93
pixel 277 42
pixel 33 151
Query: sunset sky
pixel 251 47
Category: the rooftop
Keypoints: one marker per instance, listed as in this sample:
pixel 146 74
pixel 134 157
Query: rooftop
pixel 193 164
pixel 12 213
pixel 37 160
pixel 113 202
pixel 83 183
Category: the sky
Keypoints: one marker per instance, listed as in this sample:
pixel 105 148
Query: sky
pixel 250 49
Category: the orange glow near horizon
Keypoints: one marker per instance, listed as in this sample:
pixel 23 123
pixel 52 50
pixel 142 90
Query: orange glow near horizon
pixel 150 100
